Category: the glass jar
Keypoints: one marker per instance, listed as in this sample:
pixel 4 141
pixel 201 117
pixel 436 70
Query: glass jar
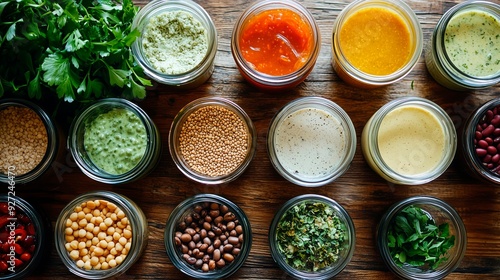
pixel 16 217
pixel 471 133
pixel 11 172
pixel 226 158
pixel 438 213
pixel 199 207
pixel 402 16
pixel 100 172
pixel 409 141
pixel 345 247
pixel 135 246
pixel 187 79
pixel 296 66
pixel 311 141
pixel 443 63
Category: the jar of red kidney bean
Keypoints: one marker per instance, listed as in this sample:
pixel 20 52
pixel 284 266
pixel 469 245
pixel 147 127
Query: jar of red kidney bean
pixel 23 237
pixel 479 142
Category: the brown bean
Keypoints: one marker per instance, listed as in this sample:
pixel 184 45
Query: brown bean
pixel 221 263
pixel 207 241
pixel 214 213
pixel 239 229
pixel 236 251
pixel 206 258
pixel 203 233
pixel 207 226
pixel 240 238
pixel 228 257
pixel 216 255
pixel 197 208
pixel 177 241
pixel 184 249
pixel 233 240
pixel 203 247
pixel 204 267
pixel 211 265
pixel 190 231
pixel 218 220
pixel 224 209
pixel 231 225
pixel 217 243
pixel 208 219
pixel 210 249
pixel 228 248
pixel 198 263
pixel 191 245
pixel 214 206
pixel 188 220
pixel 196 237
pixel 229 216
pixel 191 260
pixel 185 238
pixel 210 234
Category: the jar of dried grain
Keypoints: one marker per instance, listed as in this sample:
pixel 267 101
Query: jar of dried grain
pixel 29 141
pixel 212 140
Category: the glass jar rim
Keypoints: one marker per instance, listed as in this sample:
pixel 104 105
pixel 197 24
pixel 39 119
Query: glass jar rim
pixel 457 223
pixel 410 19
pixel 438 40
pixel 178 122
pixel 263 78
pixel 139 236
pixel 337 112
pixel 101 106
pixel 343 215
pixel 157 7
pixel 52 140
pixel 172 250
pixel 442 117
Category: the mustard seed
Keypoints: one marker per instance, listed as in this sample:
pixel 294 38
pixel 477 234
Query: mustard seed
pixel 214 141
pixel 24 139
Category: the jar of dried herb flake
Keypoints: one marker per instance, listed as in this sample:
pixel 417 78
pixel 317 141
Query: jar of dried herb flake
pixel 317 222
pixel 28 142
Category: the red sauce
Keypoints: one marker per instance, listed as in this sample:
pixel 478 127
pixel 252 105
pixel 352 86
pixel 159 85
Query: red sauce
pixel 276 42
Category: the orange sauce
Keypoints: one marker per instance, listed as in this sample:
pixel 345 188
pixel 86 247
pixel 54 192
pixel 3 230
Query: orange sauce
pixel 376 41
pixel 276 42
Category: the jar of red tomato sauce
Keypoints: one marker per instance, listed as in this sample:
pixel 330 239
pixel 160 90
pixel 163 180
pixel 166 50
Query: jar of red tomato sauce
pixel 275 44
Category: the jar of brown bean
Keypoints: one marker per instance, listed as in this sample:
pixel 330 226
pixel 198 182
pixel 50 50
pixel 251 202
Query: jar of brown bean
pixel 479 143
pixel 212 140
pixel 29 141
pixel 208 237
pixel 100 235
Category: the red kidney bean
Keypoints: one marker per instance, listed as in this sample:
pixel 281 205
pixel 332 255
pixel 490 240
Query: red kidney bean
pixel 19 240
pixel 487 140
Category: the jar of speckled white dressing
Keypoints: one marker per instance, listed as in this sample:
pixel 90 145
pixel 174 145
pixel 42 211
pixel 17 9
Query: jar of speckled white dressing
pixel 463 53
pixel 311 141
pixel 409 141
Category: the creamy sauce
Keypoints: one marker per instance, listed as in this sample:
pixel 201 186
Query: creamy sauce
pixel 472 42
pixel 310 143
pixel 116 141
pixel 411 140
pixel 175 42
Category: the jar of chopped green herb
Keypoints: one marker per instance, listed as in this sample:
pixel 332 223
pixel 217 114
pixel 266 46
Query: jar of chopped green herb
pixel 312 237
pixel 421 238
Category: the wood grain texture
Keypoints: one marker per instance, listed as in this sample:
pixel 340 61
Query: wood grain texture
pixel 260 191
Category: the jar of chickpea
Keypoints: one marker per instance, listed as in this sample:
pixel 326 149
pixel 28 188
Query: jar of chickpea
pixel 28 142
pixel 100 235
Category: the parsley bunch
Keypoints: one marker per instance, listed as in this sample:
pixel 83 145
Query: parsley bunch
pixel 78 49
pixel 311 236
pixel 415 239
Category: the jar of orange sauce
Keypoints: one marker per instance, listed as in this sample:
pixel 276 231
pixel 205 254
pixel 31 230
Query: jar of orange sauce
pixel 376 42
pixel 275 44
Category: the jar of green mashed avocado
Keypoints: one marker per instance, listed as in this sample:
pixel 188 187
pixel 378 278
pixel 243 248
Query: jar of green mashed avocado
pixel 114 141
pixel 464 53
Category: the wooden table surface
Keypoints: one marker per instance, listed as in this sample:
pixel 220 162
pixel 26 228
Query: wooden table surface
pixel 260 191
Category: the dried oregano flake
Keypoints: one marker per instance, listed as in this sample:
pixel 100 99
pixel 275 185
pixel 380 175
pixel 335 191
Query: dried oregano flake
pixel 311 236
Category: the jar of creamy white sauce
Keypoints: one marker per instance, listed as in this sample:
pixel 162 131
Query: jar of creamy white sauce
pixel 311 141
pixel 463 53
pixel 409 141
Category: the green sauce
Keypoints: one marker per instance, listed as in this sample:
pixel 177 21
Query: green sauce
pixel 472 42
pixel 116 141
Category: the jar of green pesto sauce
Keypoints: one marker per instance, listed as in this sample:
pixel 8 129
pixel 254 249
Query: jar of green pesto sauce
pixel 114 141
pixel 464 53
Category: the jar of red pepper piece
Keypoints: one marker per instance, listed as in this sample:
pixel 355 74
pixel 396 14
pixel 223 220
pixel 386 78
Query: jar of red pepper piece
pixel 480 142
pixel 23 238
